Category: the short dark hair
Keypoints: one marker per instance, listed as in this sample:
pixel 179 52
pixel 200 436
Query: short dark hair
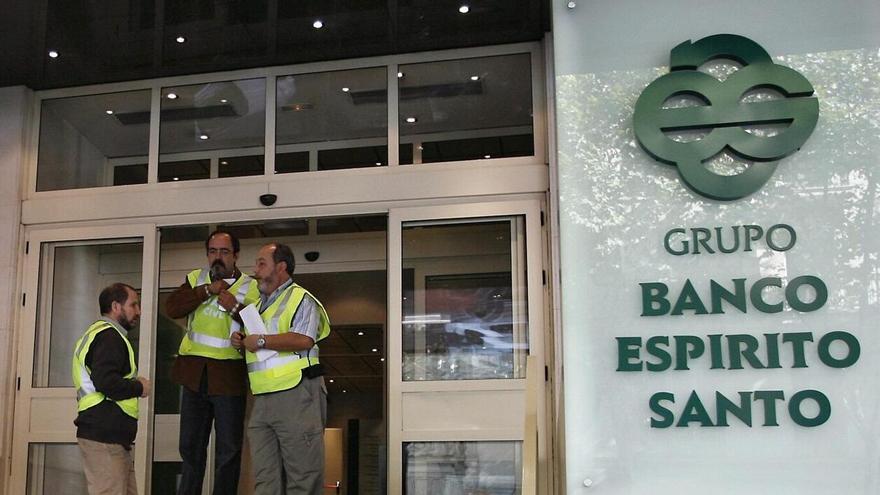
pixel 117 292
pixel 236 246
pixel 284 253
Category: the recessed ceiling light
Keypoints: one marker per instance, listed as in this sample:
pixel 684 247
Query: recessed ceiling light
pixel 224 162
pixel 109 112
pixel 475 78
pixel 180 39
pixel 360 333
pixel 171 96
pixel 331 380
pixel 176 178
pixel 318 24
pixel 411 120
pixel 464 9
pixel 378 164
pixel 572 5
pixel 344 391
pixel 204 137
pixel 382 359
pixel 224 100
pixel 375 350
pixel 345 90
pixel 53 54
pixel 399 75
pixel 487 156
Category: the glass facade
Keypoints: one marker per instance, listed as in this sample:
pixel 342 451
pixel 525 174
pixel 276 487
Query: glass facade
pixel 464 301
pixel 94 141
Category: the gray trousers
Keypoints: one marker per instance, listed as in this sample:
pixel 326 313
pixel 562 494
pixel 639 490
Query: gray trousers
pixel 286 430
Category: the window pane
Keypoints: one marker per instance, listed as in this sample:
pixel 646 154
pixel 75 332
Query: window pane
pixel 469 109
pixel 464 301
pixel 342 116
pixel 84 140
pixel 72 277
pixel 201 123
pixel 55 468
pixel 432 468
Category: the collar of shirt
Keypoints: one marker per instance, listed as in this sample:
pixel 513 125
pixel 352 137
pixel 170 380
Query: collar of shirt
pixel 265 302
pixel 236 274
pixel 116 325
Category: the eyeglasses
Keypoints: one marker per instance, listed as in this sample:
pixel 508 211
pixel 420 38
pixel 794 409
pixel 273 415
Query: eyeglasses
pixel 221 251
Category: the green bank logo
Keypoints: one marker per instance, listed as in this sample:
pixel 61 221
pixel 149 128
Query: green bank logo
pixel 724 114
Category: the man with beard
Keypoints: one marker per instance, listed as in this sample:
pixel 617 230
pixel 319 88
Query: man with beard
pixel 286 426
pixel 107 387
pixel 210 370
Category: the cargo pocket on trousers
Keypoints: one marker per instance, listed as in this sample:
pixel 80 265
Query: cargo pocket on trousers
pixel 312 437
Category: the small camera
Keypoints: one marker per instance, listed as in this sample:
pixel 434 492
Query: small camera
pixel 312 256
pixel 268 199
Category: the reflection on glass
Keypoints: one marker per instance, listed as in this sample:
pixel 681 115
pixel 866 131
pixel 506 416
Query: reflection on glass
pixel 169 333
pixel 83 140
pixel 440 468
pixel 348 108
pixel 55 468
pixel 71 277
pixel 464 301
pixel 470 109
pixel 201 123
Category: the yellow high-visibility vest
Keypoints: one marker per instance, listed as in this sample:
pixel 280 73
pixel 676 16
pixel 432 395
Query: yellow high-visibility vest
pixel 86 394
pixel 284 370
pixel 208 326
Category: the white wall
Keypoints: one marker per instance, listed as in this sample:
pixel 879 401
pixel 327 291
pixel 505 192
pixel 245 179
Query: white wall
pixel 14 109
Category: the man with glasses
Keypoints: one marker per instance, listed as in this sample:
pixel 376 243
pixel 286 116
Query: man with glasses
pixel 286 426
pixel 210 370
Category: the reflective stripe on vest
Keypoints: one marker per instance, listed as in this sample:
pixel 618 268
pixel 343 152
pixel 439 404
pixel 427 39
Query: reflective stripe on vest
pixel 209 325
pixel 284 370
pixel 86 394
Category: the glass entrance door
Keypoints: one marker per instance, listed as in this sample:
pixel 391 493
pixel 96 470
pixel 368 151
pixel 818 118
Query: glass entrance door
pixel 65 270
pixel 465 310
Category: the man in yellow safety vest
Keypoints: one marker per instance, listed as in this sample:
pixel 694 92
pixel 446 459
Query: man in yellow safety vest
pixel 286 426
pixel 104 373
pixel 210 371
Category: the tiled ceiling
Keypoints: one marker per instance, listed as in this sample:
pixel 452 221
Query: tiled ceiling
pixel 101 41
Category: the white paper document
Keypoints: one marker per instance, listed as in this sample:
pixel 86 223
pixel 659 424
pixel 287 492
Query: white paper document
pixel 253 324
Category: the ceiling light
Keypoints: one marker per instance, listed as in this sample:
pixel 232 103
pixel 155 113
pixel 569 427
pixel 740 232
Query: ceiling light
pixel 344 391
pixel 331 380
pixel 318 24
pixel 53 54
pixel 487 156
pixel 360 333
pixel 378 164
pixel 464 9
pixel 176 178
pixel 171 96
pixel 345 90
pixel 224 162
pixel 204 137
pixel 180 39
pixel 475 78
pixel 399 75
pixel 382 359
pixel 224 100
pixel 411 120
pixel 109 112
pixel 572 5
pixel 375 350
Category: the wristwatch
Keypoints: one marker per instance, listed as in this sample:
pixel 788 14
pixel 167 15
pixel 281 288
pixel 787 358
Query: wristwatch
pixel 261 342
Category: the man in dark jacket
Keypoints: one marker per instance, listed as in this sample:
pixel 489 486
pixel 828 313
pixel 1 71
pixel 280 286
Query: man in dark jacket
pixel 107 390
